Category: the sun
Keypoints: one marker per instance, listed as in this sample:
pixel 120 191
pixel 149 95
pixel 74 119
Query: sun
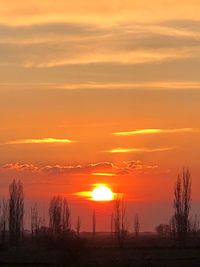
pixel 102 193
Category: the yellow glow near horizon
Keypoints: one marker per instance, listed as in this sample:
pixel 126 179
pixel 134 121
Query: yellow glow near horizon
pixel 102 193
pixel 103 174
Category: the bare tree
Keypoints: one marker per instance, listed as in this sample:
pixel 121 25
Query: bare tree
pixel 173 230
pixel 112 225
pixel 136 225
pixel 59 215
pixel 35 221
pixel 55 214
pixel 194 226
pixel 78 225
pixel 3 219
pixel 16 212
pixel 182 205
pixel 163 230
pixel 93 224
pixel 119 217
pixel 66 223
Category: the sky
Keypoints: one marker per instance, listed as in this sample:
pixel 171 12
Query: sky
pixel 100 92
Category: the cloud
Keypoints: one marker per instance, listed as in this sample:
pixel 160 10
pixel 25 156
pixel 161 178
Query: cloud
pixel 142 85
pixel 157 85
pixel 21 167
pixel 54 45
pixel 129 167
pixel 62 169
pixel 103 174
pixel 134 56
pixel 48 140
pixel 101 12
pixel 79 169
pixel 155 131
pixel 139 150
pixel 96 169
pixel 128 51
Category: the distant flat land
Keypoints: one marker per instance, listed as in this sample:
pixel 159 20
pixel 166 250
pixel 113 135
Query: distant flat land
pixel 147 257
pixel 108 257
pixel 99 251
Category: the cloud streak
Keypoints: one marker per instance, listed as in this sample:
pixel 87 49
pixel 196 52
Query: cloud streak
pixel 48 140
pixel 139 150
pixel 142 85
pixel 103 174
pixel 157 85
pixel 57 45
pixel 155 131
pixel 91 51
pixel 29 12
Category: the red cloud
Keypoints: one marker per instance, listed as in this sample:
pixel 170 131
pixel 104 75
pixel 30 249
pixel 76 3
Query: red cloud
pixel 79 169
pixel 126 167
pixel 20 167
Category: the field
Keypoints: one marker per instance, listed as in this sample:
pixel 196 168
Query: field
pixel 102 251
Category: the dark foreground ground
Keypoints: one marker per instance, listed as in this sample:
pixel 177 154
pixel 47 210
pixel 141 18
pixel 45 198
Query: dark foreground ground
pixel 147 251
pixel 146 257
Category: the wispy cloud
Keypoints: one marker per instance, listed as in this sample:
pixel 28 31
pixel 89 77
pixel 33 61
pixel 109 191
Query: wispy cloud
pixel 61 44
pixel 141 56
pixel 95 169
pixel 92 51
pixel 79 169
pixel 16 166
pixel 155 131
pixel 102 12
pixel 48 140
pixel 144 85
pixel 164 85
pixel 138 150
pixel 128 167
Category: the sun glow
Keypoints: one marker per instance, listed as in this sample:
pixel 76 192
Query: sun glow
pixel 103 174
pixel 102 193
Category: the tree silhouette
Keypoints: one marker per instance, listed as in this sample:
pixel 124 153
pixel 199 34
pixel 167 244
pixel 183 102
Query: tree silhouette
pixel 78 225
pixel 16 212
pixel 136 225
pixel 93 224
pixel 182 205
pixel 119 218
pixel 194 226
pixel 66 223
pixel 163 230
pixel 59 215
pixel 3 219
pixel 112 225
pixel 35 221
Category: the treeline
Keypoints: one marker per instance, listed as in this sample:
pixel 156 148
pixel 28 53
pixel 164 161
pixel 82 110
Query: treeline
pixel 59 232
pixel 57 235
pixel 182 226
pixel 12 215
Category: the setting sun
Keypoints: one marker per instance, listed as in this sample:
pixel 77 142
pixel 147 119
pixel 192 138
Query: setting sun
pixel 102 193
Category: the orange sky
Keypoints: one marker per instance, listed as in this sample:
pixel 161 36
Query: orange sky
pixel 89 87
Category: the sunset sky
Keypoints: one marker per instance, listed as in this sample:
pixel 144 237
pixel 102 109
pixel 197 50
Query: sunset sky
pixel 100 92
